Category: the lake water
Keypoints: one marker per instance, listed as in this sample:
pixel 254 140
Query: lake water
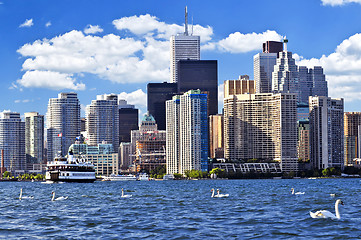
pixel 255 209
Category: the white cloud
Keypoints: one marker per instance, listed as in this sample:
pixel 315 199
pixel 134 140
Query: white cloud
pixel 90 29
pixel 342 68
pixel 48 24
pixel 137 98
pixel 151 26
pixel 27 23
pixel 240 43
pixel 17 101
pixel 339 2
pixel 220 95
pixel 50 80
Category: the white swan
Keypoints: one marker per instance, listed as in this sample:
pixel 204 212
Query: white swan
pixel 125 196
pixel 332 195
pixel 297 193
pixel 218 195
pixel 58 198
pixel 24 197
pixel 327 214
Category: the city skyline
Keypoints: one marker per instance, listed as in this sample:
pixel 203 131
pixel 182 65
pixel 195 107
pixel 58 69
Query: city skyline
pixel 119 48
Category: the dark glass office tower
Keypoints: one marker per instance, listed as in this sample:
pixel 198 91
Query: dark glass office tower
pixel 272 47
pixel 157 94
pixel 200 74
pixel 128 120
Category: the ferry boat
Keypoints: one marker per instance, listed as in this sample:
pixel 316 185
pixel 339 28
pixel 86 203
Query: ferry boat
pixel 69 169
pixel 143 177
pixel 114 177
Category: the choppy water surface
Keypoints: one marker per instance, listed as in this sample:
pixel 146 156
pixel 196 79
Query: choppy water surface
pixel 255 209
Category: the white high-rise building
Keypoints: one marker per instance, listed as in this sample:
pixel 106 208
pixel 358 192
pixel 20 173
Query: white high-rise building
pixel 12 141
pixel 63 123
pixel 187 132
pixel 326 132
pixel 103 120
pixel 34 139
pixel 285 74
pixel 183 47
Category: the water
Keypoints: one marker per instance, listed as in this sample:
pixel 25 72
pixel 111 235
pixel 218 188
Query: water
pixel 255 209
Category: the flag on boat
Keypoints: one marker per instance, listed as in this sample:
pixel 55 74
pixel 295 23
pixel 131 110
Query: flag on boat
pixel 60 134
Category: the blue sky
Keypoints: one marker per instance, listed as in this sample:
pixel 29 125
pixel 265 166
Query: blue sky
pixel 109 46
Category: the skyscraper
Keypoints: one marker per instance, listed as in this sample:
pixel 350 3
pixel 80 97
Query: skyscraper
pixel 200 74
pixel 103 120
pixel 303 146
pixel 261 126
pixel 128 120
pixel 34 139
pixel 326 132
pixel 241 86
pixel 187 132
pixel 312 82
pixel 285 74
pixel 12 141
pixel 264 64
pixel 183 47
pixel 158 94
pixel 352 123
pixel 63 123
pixel 216 136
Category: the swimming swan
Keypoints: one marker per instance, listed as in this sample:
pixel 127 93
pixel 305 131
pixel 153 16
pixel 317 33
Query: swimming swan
pixel 297 193
pixel 218 195
pixel 24 197
pixel 125 196
pixel 327 214
pixel 58 198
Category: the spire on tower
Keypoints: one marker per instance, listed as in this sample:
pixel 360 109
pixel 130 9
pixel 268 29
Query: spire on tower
pixel 285 41
pixel 186 22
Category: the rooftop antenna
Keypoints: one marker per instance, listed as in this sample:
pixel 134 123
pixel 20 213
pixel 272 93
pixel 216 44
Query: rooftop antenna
pixel 285 41
pixel 192 25
pixel 186 23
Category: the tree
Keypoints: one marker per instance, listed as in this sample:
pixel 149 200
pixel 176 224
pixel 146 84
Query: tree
pixel 6 174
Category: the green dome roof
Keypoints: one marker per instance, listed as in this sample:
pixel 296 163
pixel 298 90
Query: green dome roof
pixel 148 117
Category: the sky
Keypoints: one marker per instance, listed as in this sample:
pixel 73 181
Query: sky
pixel 94 47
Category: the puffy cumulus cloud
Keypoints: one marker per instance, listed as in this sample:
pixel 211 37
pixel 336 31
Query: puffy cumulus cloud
pixel 240 43
pixel 48 24
pixel 151 26
pixel 27 23
pixel 342 68
pixel 50 80
pixel 339 2
pixel 90 29
pixel 137 98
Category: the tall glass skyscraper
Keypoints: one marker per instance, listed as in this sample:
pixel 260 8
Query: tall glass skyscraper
pixel 182 47
pixel 187 132
pixel 34 139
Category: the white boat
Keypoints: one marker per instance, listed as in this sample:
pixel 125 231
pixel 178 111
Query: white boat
pixel 168 177
pixel 69 169
pixel 113 177
pixel 143 177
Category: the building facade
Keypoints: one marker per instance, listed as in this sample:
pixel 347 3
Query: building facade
pixel 303 146
pixel 352 123
pixel 12 141
pixel 103 120
pixel 125 158
pixel 149 145
pixel 63 123
pixel 157 95
pixel 326 132
pixel 200 74
pixel 34 139
pixel 241 86
pixel 128 120
pixel 261 126
pixel 312 82
pixel 188 132
pixel 216 136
